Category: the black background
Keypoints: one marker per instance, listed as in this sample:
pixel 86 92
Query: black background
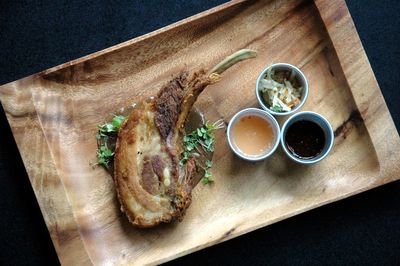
pixel 36 35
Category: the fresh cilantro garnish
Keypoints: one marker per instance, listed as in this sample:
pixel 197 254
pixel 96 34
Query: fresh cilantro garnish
pixel 201 138
pixel 106 133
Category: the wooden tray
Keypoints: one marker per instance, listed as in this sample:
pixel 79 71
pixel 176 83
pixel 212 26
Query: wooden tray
pixel 53 115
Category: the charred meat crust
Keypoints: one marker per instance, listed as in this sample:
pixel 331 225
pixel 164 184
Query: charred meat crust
pixel 168 104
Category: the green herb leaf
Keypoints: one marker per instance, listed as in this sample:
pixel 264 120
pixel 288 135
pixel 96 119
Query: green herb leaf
pixel 210 148
pixel 199 133
pixel 190 146
pixel 109 128
pixel 102 161
pixel 207 174
pixel 276 108
pixel 106 152
pixel 117 121
pixel 205 181
pixel 202 137
pixel 105 132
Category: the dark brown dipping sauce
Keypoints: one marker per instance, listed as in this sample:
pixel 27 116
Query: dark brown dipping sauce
pixel 305 139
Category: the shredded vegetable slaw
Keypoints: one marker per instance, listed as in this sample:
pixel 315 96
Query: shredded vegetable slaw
pixel 280 90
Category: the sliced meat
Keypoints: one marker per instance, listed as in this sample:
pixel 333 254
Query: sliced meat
pixel 149 180
pixel 158 166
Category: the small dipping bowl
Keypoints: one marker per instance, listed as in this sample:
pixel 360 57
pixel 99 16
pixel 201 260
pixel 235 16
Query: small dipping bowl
pixel 249 112
pixel 298 75
pixel 320 121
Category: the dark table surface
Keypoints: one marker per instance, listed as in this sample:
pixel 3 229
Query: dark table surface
pixel 36 35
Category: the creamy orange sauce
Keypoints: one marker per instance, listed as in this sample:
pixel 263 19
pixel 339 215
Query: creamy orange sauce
pixel 252 135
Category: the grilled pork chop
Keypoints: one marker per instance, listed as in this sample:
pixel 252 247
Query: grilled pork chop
pixel 151 185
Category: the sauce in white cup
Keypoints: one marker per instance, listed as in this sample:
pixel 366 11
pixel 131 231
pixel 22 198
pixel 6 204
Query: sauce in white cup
pixel 253 134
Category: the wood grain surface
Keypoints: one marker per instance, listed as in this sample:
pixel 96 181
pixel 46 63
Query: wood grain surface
pixel 53 116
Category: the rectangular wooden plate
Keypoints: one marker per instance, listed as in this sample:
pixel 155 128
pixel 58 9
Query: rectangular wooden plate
pixel 53 116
